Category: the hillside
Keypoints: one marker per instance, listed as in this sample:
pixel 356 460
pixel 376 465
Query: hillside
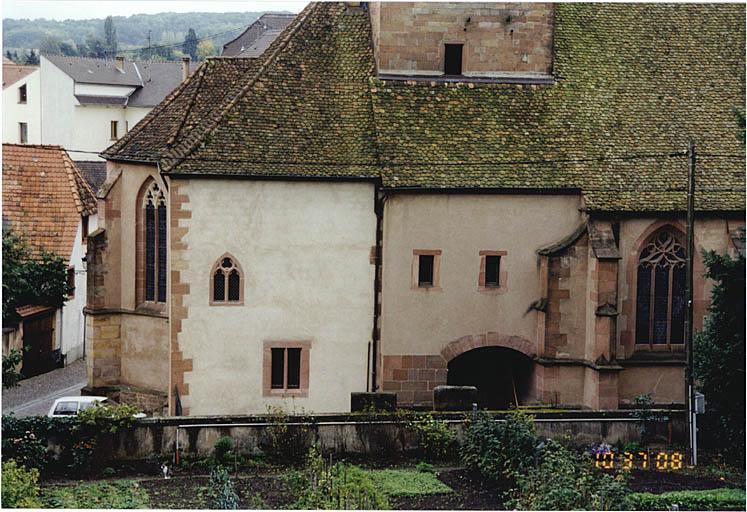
pixel 132 31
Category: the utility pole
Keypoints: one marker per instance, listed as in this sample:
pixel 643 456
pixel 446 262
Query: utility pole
pixel 689 370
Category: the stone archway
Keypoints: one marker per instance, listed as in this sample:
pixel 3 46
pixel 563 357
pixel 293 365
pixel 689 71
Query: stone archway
pixel 490 339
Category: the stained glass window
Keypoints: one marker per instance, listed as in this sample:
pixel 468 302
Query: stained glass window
pixel 226 281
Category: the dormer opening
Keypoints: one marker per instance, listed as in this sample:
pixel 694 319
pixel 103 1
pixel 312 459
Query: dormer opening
pixel 453 59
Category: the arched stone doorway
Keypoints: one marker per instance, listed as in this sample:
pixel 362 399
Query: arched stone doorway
pixel 502 376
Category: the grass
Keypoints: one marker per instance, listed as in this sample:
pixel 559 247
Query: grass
pixel 407 482
pixel 711 499
pixel 111 494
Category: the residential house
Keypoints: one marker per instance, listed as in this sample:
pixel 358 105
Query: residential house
pixel 258 36
pixel 48 202
pixel 85 104
pixel 400 195
pixel 21 103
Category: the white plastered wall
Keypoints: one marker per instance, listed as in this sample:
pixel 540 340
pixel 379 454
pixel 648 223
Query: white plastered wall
pixel 29 112
pixel 305 251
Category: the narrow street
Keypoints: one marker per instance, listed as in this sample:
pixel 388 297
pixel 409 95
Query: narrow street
pixel 34 396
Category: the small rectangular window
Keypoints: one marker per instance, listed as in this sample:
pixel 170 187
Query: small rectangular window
pixel 278 368
pixel 425 270
pixel 453 59
pixel 294 368
pixel 113 130
pixel 71 281
pixel 492 270
pixel 84 227
pixel 23 133
pixel 22 94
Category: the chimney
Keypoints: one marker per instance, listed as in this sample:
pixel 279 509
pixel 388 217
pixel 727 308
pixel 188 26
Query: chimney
pixel 119 63
pixel 185 68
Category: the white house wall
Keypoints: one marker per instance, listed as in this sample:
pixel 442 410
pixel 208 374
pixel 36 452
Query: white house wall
pixel 305 252
pixel 29 112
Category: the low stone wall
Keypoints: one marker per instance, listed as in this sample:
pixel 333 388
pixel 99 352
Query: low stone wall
pixel 358 434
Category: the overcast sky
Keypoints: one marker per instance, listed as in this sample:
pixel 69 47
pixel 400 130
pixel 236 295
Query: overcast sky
pixel 83 9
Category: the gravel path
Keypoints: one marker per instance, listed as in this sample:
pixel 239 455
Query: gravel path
pixel 36 395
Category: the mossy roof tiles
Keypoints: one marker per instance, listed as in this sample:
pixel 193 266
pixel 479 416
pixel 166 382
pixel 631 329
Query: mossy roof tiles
pixel 631 80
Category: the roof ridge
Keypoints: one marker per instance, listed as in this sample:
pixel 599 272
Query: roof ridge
pixel 40 146
pixel 72 173
pixel 150 116
pixel 187 110
pixel 290 31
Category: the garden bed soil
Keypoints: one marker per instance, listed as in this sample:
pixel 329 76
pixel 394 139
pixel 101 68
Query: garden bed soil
pixel 657 482
pixel 471 492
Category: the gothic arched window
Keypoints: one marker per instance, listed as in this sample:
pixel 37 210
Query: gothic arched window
pixel 661 289
pixel 152 245
pixel 226 281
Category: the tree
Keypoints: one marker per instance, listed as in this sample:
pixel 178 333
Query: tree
pixel 720 357
pixel 95 47
pixel 30 279
pixel 32 59
pixel 110 35
pixel 205 49
pixel 50 45
pixel 8 54
pixel 68 49
pixel 190 44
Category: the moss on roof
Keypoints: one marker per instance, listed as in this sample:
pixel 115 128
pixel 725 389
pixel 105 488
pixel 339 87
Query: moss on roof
pixel 632 79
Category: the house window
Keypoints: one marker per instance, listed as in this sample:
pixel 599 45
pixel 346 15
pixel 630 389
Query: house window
pixel 226 282
pixel 492 277
pixel 22 94
pixel 84 228
pixel 151 245
pixel 425 269
pixel 660 291
pixel 71 281
pixel 23 133
pixel 286 368
pixel 113 128
pixel 453 59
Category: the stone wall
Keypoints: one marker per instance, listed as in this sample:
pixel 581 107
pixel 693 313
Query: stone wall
pixel 498 38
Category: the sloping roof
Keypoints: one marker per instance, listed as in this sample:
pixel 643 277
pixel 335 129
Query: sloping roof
pixel 13 72
pixel 159 79
pixel 89 99
pixel 94 172
pixel 88 70
pixel 272 23
pixel 44 196
pixel 258 46
pixel 633 83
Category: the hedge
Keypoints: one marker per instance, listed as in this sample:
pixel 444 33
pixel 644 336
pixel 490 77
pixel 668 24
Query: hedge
pixel 711 499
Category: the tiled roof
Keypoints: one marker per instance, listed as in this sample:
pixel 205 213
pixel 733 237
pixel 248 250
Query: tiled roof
pixel 268 22
pixel 89 70
pixel 13 72
pixel 44 196
pixel 259 45
pixel 94 172
pixel 631 80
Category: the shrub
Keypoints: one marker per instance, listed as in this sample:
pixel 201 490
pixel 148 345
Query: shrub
pixel 20 486
pixel 11 376
pixel 222 448
pixel 117 494
pixel 424 467
pixel 712 499
pixel 435 438
pixel 221 493
pixel 339 486
pixel 500 450
pixel 564 480
pixel 285 443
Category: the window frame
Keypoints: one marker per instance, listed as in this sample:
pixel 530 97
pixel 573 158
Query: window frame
pixel 304 368
pixel 649 344
pixel 415 269
pixel 84 220
pixel 23 94
pixel 113 130
pixel 482 285
pixel 461 58
pixel 70 279
pixel 23 132
pixel 216 266
pixel 160 200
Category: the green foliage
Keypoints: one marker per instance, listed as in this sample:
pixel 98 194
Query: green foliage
pixel 435 438
pixel 105 417
pixel 405 482
pixel 564 480
pixel 740 120
pixel 30 280
pixel 424 467
pixel 720 356
pixel 221 493
pixel 190 44
pixel 119 494
pixel 644 405
pixel 222 448
pixel 20 486
pixel 282 442
pixel 500 450
pixel 339 486
pixel 712 499
pixel 11 376
pixel 110 37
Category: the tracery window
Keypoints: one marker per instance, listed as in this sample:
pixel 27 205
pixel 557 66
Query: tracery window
pixel 227 281
pixel 152 245
pixel 661 289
